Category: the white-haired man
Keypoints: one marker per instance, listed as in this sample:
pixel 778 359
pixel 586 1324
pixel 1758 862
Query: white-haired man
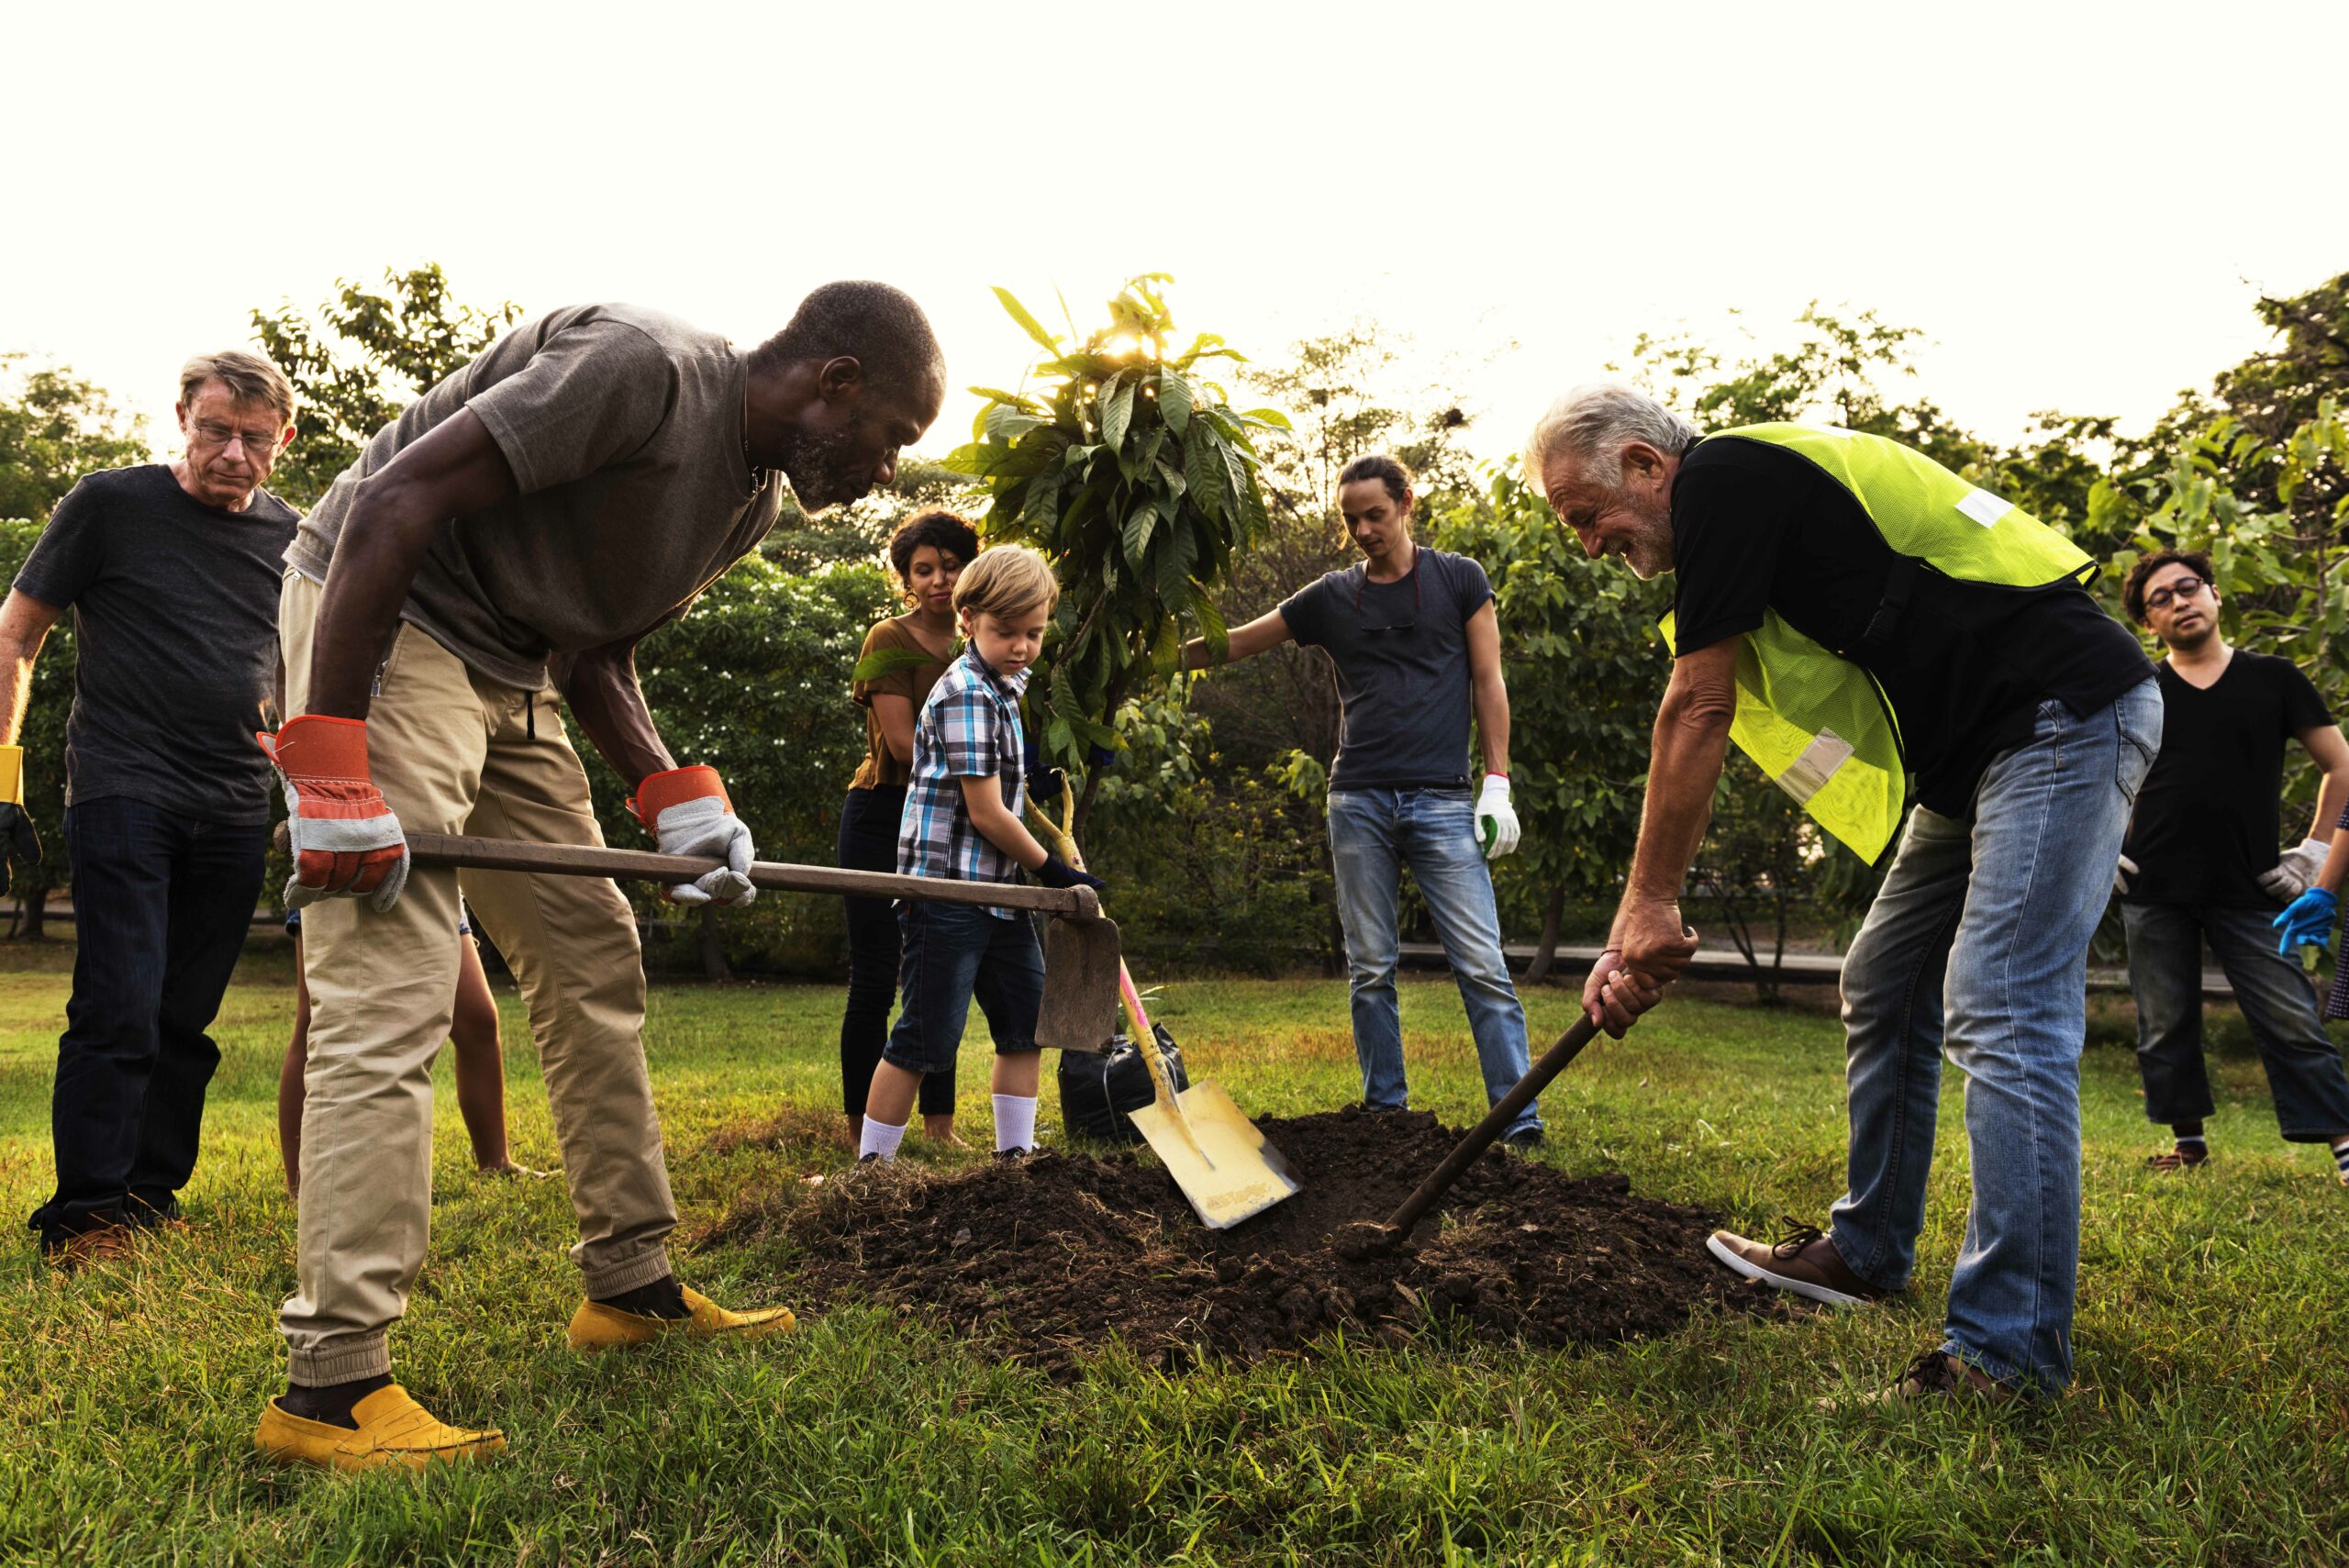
pixel 1854 614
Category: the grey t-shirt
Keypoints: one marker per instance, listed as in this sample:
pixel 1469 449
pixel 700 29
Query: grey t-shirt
pixel 176 640
pixel 1401 649
pixel 624 430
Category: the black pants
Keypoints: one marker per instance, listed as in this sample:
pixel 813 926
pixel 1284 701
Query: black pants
pixel 2304 1073
pixel 869 842
pixel 161 904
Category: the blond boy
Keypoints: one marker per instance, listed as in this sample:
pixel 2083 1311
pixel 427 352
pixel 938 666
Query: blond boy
pixel 961 820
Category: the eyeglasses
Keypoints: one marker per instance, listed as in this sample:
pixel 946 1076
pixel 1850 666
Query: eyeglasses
pixel 2162 599
pixel 212 435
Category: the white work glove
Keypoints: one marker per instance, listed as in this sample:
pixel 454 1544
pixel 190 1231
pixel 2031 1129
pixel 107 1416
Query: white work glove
pixel 687 810
pixel 1495 819
pixel 2295 872
pixel 2128 869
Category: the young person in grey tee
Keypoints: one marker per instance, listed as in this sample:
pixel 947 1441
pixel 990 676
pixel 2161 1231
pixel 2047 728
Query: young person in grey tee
pixel 1417 645
pixel 171 570
pixel 525 524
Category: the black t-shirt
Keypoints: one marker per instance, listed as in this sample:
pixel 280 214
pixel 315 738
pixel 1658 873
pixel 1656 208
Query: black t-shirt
pixel 2210 818
pixel 1756 526
pixel 1401 649
pixel 175 640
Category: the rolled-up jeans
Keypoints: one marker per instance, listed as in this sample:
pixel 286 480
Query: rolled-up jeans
pixel 1373 834
pixel 1976 946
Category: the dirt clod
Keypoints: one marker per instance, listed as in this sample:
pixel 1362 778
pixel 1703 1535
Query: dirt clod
pixel 1047 1258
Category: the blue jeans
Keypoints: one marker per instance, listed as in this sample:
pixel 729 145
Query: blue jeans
pixel 161 904
pixel 1977 947
pixel 1373 834
pixel 955 954
pixel 2277 1001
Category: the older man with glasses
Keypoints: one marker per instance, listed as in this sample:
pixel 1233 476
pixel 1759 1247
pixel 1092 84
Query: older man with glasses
pixel 172 572
pixel 2200 865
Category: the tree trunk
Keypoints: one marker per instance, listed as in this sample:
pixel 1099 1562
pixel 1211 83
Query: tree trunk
pixel 1545 950
pixel 710 941
pixel 35 912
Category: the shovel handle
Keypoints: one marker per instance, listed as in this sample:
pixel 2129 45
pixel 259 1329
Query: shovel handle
pixel 1480 1137
pixel 643 865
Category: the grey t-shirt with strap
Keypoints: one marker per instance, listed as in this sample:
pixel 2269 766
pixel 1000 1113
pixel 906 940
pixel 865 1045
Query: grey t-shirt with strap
pixel 1401 650
pixel 623 428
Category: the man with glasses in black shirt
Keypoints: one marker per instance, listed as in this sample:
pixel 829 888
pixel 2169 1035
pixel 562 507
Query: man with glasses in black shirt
pixel 2200 865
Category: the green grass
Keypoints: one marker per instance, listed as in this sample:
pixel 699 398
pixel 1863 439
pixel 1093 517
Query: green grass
pixel 2206 1426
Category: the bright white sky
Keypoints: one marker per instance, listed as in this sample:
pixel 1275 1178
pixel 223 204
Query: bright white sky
pixel 2077 203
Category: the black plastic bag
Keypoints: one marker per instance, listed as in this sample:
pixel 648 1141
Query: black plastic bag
pixel 1097 1091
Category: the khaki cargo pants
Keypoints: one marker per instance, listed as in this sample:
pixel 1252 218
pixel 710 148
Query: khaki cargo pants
pixel 454 752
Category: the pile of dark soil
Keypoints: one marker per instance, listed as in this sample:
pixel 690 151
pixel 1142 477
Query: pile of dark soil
pixel 1049 1257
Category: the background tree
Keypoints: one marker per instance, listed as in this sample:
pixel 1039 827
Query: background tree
pixel 1132 474
pixel 55 428
pixel 360 357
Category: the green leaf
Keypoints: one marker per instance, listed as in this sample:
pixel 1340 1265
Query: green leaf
pixel 1027 323
pixel 1116 410
pixel 1006 423
pixel 1272 418
pixel 1173 399
pixel 1016 399
pixel 1137 534
pixel 1203 472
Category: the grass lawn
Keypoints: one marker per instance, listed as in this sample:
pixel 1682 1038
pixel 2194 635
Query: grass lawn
pixel 2206 1426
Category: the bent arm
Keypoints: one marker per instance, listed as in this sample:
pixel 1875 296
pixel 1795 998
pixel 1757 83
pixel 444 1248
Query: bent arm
pixel 454 469
pixel 1267 630
pixel 601 687
pixel 24 626
pixel 1690 744
pixel 2330 753
pixel 896 717
pixel 983 795
pixel 1488 690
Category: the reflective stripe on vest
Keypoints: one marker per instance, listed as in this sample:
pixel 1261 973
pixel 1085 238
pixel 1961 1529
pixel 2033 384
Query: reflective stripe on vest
pixel 1816 723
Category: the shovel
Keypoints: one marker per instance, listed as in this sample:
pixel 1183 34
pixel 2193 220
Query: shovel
pixel 1080 944
pixel 1368 1238
pixel 1217 1156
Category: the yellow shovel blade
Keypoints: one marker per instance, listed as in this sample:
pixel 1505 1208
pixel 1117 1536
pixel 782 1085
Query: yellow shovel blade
pixel 1216 1155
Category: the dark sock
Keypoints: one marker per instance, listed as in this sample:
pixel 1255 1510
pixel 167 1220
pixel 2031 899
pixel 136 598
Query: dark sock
pixel 331 1403
pixel 662 1298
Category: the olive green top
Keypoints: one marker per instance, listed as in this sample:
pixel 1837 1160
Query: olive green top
pixel 879 768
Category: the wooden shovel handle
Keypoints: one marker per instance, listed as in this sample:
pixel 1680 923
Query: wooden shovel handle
pixel 643 865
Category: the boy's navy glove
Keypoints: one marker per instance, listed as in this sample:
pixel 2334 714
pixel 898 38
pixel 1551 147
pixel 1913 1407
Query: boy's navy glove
pixel 2306 921
pixel 1057 872
pixel 1043 782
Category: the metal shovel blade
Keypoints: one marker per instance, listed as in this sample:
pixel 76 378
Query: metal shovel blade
pixel 1216 1155
pixel 1081 965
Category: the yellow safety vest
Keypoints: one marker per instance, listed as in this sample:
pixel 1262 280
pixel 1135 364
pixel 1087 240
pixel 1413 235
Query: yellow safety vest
pixel 1818 723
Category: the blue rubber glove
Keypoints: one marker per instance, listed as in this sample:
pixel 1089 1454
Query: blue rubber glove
pixel 2306 921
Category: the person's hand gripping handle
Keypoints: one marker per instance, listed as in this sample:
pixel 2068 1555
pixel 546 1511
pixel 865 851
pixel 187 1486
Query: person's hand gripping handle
pixel 689 813
pixel 346 842
pixel 18 840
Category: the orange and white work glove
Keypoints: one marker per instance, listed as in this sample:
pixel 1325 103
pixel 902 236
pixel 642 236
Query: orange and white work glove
pixel 687 810
pixel 347 843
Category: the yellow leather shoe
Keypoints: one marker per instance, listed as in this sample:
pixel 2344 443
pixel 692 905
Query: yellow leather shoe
pixel 596 1326
pixel 393 1429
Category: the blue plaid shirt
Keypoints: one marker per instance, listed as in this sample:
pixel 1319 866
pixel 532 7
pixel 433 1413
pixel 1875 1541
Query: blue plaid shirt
pixel 969 727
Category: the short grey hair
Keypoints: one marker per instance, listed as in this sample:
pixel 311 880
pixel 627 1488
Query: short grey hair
pixel 248 378
pixel 1593 423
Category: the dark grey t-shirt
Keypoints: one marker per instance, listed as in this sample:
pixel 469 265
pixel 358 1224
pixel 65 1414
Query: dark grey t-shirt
pixel 623 428
pixel 1401 649
pixel 175 640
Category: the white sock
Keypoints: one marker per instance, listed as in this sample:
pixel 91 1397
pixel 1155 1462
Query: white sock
pixel 881 1139
pixel 1014 1122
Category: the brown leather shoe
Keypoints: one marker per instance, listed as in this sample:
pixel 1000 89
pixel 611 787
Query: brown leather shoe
pixel 98 1245
pixel 1802 1260
pixel 1934 1375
